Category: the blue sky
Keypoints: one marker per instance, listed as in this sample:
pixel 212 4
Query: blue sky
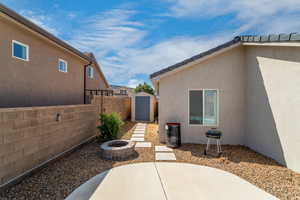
pixel 132 39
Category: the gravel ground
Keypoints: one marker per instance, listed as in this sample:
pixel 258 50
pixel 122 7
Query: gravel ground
pixel 59 179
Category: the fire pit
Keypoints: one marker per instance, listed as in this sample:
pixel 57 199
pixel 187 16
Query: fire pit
pixel 117 149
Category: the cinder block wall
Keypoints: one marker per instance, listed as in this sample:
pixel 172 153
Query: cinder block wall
pixel 31 136
pixel 118 104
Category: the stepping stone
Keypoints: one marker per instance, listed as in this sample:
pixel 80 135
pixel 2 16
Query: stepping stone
pixel 138 135
pixel 162 148
pixel 141 124
pixel 165 156
pixel 144 126
pixel 137 139
pixel 143 144
pixel 138 132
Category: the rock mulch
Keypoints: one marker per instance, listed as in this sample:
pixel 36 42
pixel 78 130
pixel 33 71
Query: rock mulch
pixel 59 179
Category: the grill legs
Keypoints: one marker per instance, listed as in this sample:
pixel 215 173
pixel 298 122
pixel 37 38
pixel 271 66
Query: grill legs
pixel 219 150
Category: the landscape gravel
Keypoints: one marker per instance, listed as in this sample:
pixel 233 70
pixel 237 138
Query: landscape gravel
pixel 59 179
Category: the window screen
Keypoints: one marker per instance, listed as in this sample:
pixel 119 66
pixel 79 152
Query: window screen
pixel 210 108
pixel 203 107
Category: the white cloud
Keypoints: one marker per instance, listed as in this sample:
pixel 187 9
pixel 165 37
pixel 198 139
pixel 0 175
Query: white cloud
pixel 168 52
pixel 119 44
pixel 134 82
pixel 44 21
pixel 255 14
pixel 109 31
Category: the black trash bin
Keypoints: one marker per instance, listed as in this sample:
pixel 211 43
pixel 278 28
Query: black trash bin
pixel 173 135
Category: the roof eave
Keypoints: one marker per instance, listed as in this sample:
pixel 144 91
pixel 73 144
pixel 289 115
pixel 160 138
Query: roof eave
pixel 192 61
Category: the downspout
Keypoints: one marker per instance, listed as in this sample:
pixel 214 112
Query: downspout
pixel 84 82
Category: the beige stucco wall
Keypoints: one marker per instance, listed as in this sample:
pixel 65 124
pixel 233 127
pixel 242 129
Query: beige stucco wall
pixel 224 72
pixel 273 103
pixel 38 81
pixel 97 82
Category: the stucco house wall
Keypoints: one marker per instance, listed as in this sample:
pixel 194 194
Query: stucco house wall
pixel 97 82
pixel 273 103
pixel 259 99
pixel 38 82
pixel 225 72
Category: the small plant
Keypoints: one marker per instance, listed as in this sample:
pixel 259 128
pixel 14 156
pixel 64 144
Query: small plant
pixel 110 126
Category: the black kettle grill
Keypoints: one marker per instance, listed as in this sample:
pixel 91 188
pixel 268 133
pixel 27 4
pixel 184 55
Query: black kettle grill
pixel 213 134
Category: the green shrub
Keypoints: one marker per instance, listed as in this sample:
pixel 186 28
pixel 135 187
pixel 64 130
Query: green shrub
pixel 110 126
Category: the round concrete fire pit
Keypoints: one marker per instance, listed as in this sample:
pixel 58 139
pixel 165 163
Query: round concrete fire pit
pixel 117 149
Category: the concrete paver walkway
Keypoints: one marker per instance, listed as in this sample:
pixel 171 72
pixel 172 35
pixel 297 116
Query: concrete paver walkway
pixel 137 139
pixel 163 148
pixel 164 153
pixel 167 181
pixel 143 144
pixel 138 136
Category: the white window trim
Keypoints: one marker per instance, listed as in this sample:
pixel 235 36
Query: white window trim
pixel 91 77
pixel 203 125
pixel 62 60
pixel 20 43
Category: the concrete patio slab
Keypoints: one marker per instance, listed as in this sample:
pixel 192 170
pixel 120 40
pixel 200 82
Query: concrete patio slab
pixel 143 144
pixel 165 156
pixel 137 139
pixel 138 135
pixel 163 148
pixel 166 180
pixel 130 182
pixel 205 183
pixel 86 190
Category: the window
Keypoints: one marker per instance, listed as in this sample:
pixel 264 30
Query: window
pixel 90 72
pixel 203 107
pixel 62 65
pixel 20 50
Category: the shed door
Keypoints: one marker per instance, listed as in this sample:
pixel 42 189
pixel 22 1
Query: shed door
pixel 142 108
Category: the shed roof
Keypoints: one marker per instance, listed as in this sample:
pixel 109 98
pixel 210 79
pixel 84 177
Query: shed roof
pixel 142 94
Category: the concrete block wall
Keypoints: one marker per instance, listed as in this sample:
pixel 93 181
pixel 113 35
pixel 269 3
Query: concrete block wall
pixel 109 104
pixel 31 136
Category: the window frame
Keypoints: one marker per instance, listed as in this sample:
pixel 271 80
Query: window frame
pixel 62 60
pixel 22 44
pixel 89 68
pixel 203 107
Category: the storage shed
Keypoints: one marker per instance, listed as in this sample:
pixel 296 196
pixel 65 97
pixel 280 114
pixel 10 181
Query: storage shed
pixel 143 107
